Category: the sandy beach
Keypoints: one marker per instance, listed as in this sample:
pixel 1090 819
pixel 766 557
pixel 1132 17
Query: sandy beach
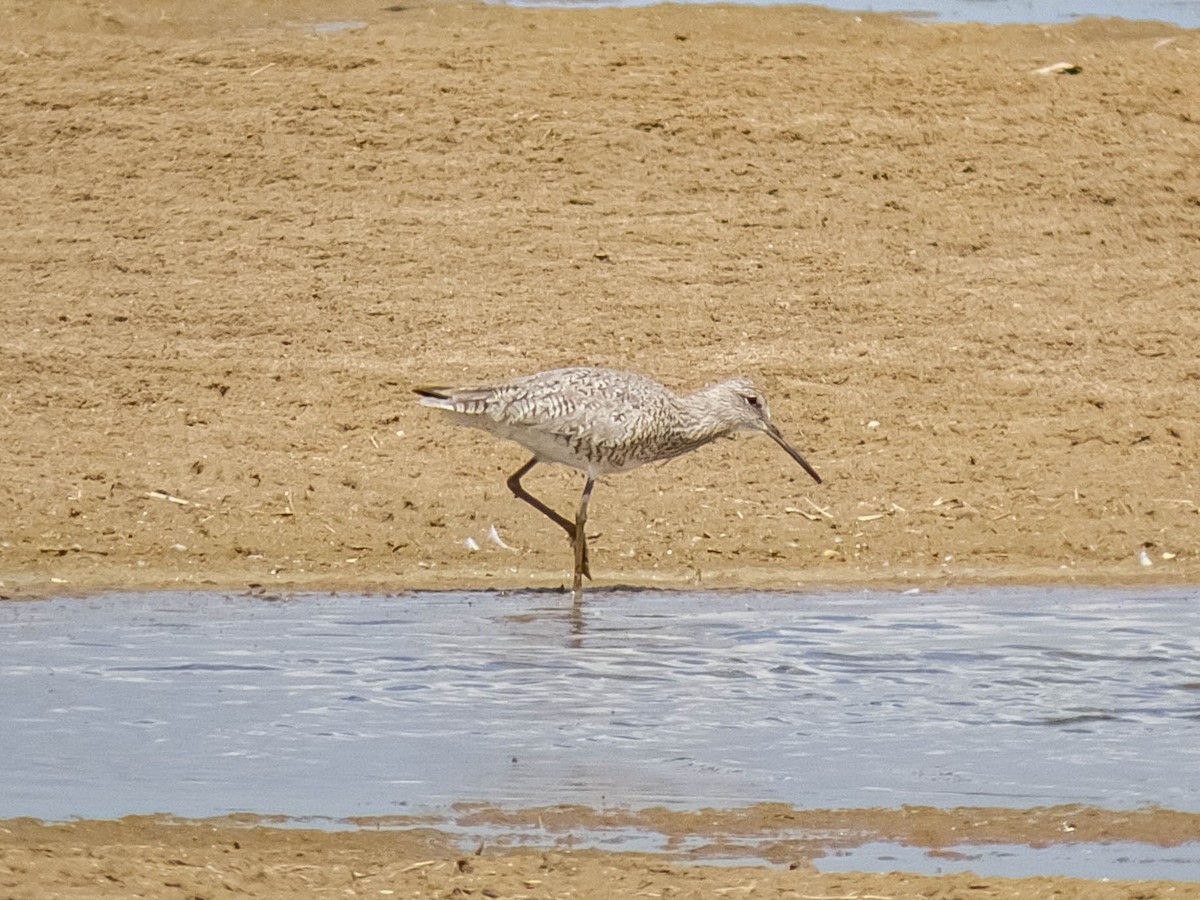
pixel 235 238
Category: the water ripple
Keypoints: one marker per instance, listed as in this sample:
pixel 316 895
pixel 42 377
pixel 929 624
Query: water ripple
pixel 202 704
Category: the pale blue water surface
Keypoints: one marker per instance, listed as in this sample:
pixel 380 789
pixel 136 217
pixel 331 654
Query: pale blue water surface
pixel 1124 860
pixel 337 706
pixel 1184 13
pixel 357 705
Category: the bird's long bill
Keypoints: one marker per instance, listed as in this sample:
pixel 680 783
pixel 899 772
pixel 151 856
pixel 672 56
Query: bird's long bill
pixel 792 451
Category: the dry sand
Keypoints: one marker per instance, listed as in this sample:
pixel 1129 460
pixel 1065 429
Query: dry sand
pixel 232 241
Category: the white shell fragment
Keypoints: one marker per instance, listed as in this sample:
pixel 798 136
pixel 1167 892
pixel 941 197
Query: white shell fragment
pixel 494 537
pixel 1059 68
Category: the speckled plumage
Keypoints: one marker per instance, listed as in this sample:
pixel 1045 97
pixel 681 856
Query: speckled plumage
pixel 602 421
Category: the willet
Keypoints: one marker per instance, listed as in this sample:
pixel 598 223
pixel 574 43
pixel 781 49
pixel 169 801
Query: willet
pixel 602 421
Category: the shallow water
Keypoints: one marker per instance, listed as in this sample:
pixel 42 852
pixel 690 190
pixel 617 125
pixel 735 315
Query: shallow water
pixel 1123 860
pixel 350 705
pixel 1184 13
pixel 338 706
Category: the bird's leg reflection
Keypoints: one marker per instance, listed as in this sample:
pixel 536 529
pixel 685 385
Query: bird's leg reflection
pixel 576 619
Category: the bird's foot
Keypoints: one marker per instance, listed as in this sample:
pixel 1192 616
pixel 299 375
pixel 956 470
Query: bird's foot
pixel 582 561
pixel 582 557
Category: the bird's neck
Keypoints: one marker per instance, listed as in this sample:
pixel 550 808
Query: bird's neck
pixel 700 425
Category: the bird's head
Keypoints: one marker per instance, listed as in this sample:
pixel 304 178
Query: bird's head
pixel 745 407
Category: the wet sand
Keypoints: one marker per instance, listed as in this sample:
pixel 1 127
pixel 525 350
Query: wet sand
pixel 233 242
pixel 160 857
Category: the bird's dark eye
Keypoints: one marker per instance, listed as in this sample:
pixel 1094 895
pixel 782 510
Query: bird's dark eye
pixel 754 402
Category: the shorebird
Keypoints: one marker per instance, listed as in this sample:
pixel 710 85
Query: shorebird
pixel 602 421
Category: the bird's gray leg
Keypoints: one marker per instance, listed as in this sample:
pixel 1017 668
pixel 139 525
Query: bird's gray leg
pixel 514 485
pixel 571 528
pixel 580 542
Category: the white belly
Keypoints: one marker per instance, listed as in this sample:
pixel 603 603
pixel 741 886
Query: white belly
pixel 564 449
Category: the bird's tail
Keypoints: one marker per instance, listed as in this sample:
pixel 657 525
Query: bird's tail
pixel 470 401
pixel 436 393
pixel 437 397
